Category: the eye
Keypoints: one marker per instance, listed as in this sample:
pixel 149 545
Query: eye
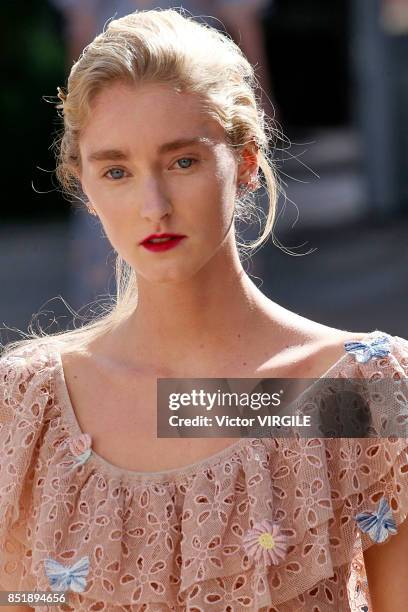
pixel 186 159
pixel 115 173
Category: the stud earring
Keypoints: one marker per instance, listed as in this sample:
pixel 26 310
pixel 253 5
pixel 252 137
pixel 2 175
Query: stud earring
pixel 92 211
pixel 255 183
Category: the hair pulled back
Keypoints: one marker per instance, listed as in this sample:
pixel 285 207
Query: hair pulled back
pixel 169 47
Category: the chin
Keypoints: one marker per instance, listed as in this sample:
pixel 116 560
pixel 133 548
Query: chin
pixel 173 274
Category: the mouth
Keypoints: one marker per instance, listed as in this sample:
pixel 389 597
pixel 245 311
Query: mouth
pixel 162 244
pixel 159 238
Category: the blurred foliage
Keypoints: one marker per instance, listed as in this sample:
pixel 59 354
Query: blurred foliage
pixel 32 65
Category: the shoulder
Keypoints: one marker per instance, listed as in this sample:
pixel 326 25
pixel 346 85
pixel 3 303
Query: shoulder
pixel 376 354
pixel 24 361
pixel 372 472
pixel 29 429
pixel 328 348
pixel 309 350
pixel 21 369
pixel 359 485
pixel 82 365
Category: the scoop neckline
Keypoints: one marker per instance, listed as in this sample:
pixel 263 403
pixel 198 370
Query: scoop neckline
pixel 73 429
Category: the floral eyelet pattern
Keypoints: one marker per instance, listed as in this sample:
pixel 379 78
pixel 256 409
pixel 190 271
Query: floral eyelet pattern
pixel 269 525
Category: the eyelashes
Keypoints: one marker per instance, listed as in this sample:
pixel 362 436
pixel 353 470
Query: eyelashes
pixel 109 173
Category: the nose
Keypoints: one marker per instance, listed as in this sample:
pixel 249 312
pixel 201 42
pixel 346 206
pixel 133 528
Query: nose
pixel 155 203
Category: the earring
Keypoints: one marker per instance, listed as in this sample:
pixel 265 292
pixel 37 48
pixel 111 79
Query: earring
pixel 92 211
pixel 255 183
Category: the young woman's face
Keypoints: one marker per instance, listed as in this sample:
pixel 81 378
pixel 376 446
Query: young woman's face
pixel 140 185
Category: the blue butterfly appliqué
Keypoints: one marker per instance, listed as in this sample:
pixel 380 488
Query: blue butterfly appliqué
pixel 364 351
pixel 379 524
pixel 81 459
pixel 64 578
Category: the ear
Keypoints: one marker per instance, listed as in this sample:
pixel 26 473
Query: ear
pixel 248 165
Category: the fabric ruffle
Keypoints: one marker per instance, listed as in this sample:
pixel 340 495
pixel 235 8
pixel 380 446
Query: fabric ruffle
pixel 268 524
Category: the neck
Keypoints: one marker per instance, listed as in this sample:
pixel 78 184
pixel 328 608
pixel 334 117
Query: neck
pixel 177 323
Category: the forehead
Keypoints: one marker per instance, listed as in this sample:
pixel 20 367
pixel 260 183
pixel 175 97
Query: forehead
pixel 148 114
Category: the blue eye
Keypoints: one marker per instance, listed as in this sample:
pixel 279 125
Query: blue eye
pixel 115 173
pixel 188 159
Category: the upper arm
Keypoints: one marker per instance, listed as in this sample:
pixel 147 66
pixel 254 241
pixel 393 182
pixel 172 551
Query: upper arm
pixel 386 564
pixel 387 572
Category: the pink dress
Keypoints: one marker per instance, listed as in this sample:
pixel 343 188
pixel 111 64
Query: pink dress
pixel 267 524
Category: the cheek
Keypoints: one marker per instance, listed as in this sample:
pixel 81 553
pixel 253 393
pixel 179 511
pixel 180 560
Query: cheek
pixel 216 214
pixel 207 208
pixel 109 202
pixel 99 189
pixel 97 193
pixel 112 216
pixel 225 191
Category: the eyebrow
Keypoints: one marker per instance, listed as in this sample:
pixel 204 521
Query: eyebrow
pixel 117 154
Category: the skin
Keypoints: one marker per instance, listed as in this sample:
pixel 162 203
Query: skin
pixel 387 572
pixel 199 285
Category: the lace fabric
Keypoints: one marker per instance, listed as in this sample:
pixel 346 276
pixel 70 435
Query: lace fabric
pixel 268 524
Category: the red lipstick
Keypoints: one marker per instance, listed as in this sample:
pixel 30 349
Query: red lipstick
pixel 165 242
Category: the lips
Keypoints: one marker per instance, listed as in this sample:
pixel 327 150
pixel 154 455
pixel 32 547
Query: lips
pixel 165 235
pixel 162 246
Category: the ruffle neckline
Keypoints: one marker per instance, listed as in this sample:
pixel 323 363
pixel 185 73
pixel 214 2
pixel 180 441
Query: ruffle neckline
pixel 190 538
pixel 73 430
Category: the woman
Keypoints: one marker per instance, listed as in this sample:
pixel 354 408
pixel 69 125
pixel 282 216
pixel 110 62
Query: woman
pixel 163 135
pixel 83 20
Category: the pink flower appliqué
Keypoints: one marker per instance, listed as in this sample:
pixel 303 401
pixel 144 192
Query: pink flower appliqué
pixel 265 542
pixel 80 447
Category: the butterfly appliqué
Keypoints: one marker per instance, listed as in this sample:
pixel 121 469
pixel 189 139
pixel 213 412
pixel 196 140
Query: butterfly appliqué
pixel 364 351
pixel 64 578
pixel 379 524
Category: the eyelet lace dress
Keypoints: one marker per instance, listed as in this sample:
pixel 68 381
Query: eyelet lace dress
pixel 267 524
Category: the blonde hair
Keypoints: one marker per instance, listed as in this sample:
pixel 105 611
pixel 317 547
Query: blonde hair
pixel 165 46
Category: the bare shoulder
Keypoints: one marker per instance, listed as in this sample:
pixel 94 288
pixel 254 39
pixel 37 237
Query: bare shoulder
pixel 82 372
pixel 306 348
pixel 328 349
pixel 294 348
pixel 74 359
